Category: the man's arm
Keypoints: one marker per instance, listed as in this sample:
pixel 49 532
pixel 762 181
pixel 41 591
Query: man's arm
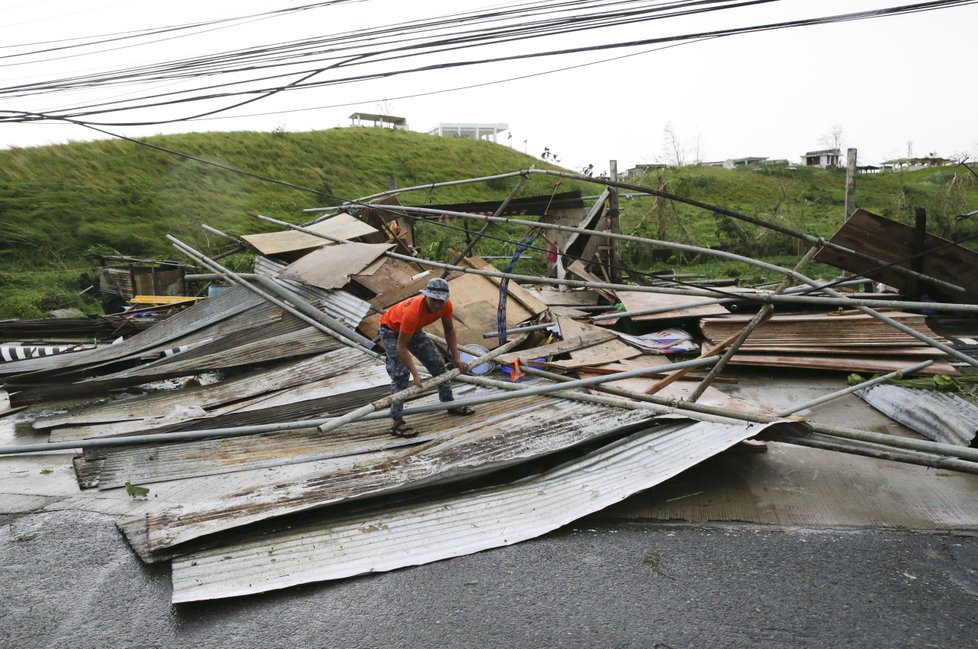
pixel 452 341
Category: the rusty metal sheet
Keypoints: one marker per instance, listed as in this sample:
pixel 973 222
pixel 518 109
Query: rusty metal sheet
pixel 453 449
pixel 195 319
pixel 211 398
pixel 451 526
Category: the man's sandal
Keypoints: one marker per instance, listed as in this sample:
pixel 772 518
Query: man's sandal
pixel 462 411
pixel 403 429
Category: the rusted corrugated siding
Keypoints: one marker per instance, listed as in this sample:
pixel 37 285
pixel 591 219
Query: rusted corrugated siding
pixel 451 526
pixel 501 434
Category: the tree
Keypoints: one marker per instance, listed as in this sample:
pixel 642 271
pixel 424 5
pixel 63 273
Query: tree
pixel 833 138
pixel 672 146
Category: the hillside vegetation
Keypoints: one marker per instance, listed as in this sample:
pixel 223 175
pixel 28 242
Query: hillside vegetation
pixel 61 206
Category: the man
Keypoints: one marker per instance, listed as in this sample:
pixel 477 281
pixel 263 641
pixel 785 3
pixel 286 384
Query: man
pixel 401 331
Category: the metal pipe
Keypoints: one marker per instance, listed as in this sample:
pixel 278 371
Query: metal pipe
pixel 521 330
pixel 414 390
pixel 811 240
pixel 828 443
pixel 534 279
pixel 950 351
pixel 502 206
pixel 685 407
pixel 855 388
pixel 546 389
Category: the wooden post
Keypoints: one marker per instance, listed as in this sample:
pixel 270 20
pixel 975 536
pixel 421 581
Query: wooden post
pixel 850 183
pixel 614 225
pixel 916 250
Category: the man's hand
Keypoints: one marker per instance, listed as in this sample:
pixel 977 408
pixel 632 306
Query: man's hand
pixel 416 378
pixel 460 364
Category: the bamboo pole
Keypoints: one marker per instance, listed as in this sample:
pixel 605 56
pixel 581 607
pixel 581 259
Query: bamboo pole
pixel 414 390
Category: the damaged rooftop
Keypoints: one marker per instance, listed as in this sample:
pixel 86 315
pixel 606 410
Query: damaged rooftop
pixel 234 424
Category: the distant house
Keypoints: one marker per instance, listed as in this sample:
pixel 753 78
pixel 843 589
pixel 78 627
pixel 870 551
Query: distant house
pixel 383 121
pixel 471 131
pixel 731 163
pixel 638 170
pixel 824 158
pixel 909 164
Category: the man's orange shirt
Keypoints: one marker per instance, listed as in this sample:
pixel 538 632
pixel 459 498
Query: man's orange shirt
pixel 411 316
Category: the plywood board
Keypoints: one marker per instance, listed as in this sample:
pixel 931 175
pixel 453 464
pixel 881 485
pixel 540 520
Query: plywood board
pixel 607 352
pixel 577 268
pixel 640 301
pixel 576 297
pixel 392 275
pixel 474 300
pixel 565 346
pixel 341 226
pixel 330 267
pixel 513 290
pixel 892 242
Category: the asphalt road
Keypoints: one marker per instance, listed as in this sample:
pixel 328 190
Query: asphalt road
pixel 69 580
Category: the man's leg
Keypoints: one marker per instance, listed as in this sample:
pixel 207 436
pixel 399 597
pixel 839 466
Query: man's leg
pixel 426 352
pixel 396 369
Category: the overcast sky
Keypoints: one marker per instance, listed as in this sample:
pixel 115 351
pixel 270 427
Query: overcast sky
pixel 892 85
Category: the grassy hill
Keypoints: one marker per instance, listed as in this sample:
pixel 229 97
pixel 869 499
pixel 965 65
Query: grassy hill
pixel 60 205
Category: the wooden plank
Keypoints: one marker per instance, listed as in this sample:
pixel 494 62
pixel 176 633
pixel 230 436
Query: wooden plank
pixel 599 354
pixel 513 289
pixel 891 242
pixel 577 268
pixel 565 346
pixel 576 297
pixel 636 301
pixel 876 365
pixel 330 267
pixel 341 226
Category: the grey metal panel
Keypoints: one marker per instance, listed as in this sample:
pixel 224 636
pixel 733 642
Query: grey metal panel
pixel 940 417
pixel 209 397
pixel 337 304
pixel 204 313
pixel 451 526
pixel 503 433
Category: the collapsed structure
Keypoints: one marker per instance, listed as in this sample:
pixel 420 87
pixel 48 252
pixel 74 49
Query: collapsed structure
pixel 256 444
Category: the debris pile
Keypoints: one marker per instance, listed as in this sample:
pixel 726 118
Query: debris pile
pixel 250 432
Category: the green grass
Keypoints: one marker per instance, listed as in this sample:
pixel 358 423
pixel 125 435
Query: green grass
pixel 62 205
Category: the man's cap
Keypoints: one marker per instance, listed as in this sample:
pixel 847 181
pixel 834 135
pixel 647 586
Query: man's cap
pixel 437 289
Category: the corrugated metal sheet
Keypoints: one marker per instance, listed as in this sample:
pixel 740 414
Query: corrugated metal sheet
pixel 936 415
pixel 208 397
pixel 452 526
pixel 304 342
pixel 339 305
pixel 455 448
pixel 194 319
